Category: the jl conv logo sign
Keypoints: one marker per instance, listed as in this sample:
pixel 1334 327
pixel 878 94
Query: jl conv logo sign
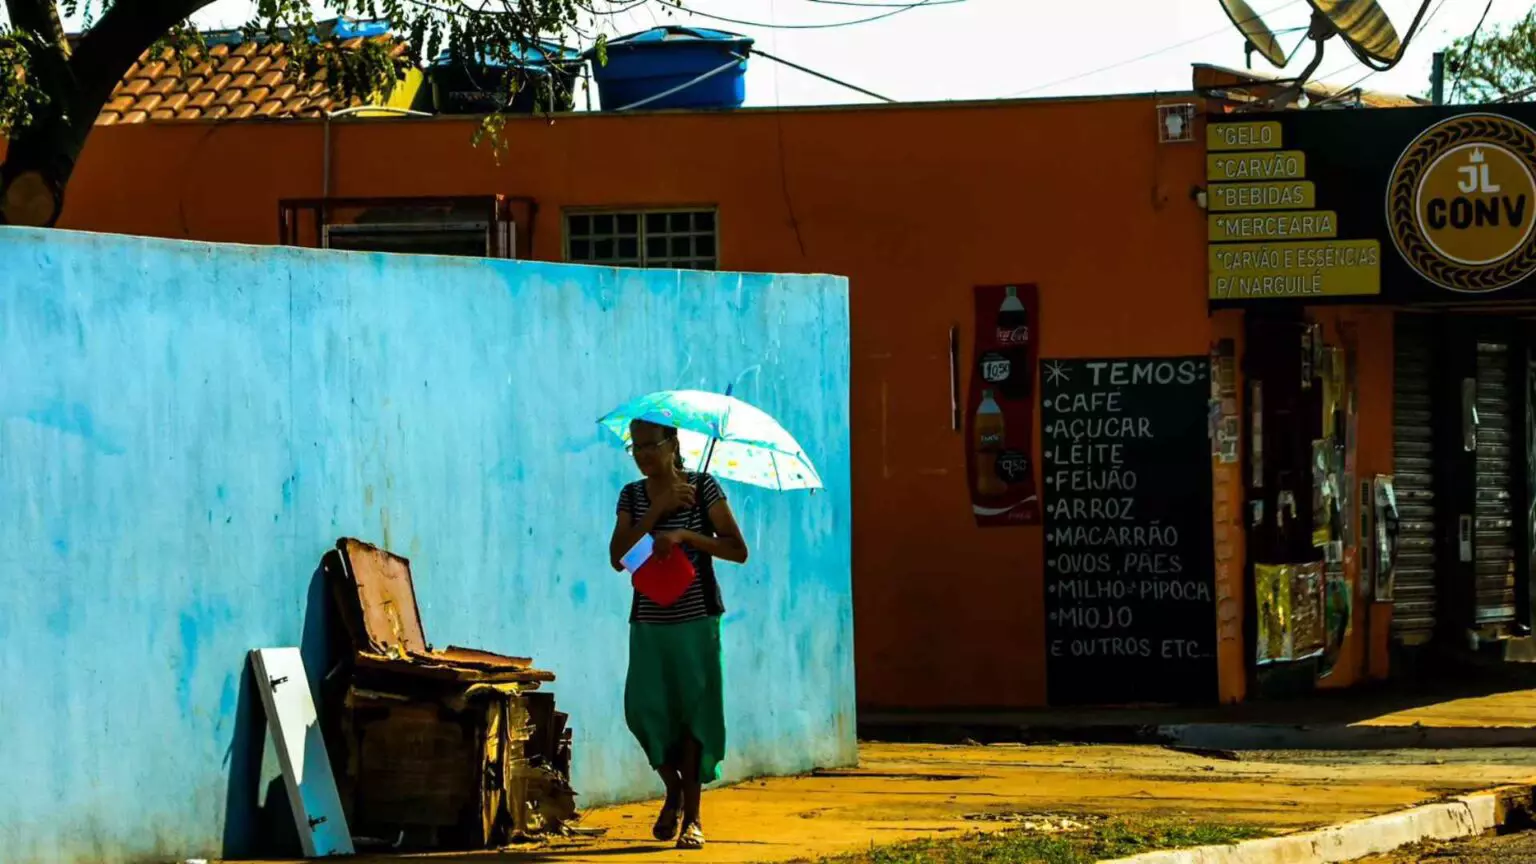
pixel 1462 203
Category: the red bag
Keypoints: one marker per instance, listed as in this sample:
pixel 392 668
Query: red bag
pixel 664 579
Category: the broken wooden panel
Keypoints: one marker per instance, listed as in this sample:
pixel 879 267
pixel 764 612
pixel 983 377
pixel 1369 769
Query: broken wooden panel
pixel 377 596
pixel 382 614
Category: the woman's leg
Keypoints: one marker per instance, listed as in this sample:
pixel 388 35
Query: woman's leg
pixel 649 717
pixel 692 787
pixel 692 836
pixel 672 807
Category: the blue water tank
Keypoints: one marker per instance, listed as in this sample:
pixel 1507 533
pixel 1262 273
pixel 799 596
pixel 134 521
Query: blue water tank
pixel 642 65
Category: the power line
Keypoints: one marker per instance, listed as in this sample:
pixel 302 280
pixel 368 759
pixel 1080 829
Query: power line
pixel 831 25
pixel 823 76
pixel 1344 91
pixel 1438 7
pixel 591 9
pixel 1471 44
pixel 862 5
pixel 1149 55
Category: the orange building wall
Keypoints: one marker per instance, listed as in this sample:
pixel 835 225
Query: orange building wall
pixel 914 204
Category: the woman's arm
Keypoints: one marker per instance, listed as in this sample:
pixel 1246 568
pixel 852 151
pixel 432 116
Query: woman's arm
pixel 727 544
pixel 627 532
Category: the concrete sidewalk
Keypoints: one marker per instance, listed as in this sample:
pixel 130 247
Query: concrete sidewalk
pixel 903 792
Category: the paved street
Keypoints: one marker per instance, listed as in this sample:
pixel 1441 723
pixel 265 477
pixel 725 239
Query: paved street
pixel 1507 849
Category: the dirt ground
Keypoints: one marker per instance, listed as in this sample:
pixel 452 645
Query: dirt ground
pixel 902 792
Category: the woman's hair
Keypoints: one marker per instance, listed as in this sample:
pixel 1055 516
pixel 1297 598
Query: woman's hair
pixel 668 433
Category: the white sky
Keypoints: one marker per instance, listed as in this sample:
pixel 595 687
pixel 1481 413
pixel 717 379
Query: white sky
pixel 981 49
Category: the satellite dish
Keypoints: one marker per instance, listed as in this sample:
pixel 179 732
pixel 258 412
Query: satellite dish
pixel 1365 26
pixel 1253 28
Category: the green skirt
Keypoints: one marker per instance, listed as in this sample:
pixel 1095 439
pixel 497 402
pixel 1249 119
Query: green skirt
pixel 675 689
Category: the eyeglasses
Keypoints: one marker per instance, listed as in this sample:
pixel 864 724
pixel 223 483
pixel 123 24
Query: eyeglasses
pixel 647 447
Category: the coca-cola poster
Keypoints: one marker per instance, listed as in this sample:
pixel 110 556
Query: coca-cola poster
pixel 1000 415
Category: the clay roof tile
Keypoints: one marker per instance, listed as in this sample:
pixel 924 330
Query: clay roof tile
pixel 228 80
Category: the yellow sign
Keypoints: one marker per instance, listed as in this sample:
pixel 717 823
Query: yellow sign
pixel 1319 268
pixel 1263 135
pixel 1462 203
pixel 1274 165
pixel 1294 225
pixel 1287 195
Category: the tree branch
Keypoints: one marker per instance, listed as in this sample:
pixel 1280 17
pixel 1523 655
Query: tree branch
pixel 42 156
pixel 106 51
pixel 41 19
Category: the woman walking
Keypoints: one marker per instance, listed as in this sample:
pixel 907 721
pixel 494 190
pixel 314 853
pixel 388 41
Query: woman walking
pixel 673 694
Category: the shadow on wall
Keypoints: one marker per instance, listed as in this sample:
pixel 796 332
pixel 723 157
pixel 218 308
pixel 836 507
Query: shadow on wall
pixel 258 818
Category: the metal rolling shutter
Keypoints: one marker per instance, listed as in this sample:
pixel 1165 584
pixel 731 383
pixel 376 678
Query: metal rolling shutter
pixel 1413 609
pixel 1493 535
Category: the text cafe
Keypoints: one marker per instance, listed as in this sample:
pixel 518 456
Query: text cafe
pixel 1374 269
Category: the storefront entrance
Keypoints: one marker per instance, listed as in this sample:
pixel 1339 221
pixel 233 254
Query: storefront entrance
pixel 1406 491
pixel 1462 443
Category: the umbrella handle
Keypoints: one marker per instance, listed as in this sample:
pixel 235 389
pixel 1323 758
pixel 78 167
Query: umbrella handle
pixel 709 451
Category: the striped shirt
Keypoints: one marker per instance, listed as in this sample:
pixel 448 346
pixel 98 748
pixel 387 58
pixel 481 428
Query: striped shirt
pixel 636 501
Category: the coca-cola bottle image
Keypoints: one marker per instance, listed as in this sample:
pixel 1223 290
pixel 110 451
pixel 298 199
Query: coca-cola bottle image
pixel 1012 319
pixel 1007 368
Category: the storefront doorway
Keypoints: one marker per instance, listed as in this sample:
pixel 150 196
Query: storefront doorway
pixel 1462 439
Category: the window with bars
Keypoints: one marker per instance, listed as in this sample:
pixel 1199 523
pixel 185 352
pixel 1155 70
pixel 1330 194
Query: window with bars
pixel 681 239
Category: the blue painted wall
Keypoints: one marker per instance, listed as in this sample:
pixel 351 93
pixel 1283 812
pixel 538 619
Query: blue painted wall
pixel 186 428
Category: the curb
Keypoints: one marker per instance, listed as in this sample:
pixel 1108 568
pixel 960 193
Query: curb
pixel 1465 816
pixel 1213 736
pixel 1233 736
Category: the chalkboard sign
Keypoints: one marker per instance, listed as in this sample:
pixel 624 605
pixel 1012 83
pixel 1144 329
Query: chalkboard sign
pixel 1129 569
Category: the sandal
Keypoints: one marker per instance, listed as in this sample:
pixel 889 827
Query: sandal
pixel 692 837
pixel 666 823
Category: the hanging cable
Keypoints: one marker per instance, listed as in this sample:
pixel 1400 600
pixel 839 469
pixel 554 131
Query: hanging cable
pixel 1461 65
pixel 831 25
pixel 1344 91
pixel 824 77
pixel 1149 55
pixel 861 5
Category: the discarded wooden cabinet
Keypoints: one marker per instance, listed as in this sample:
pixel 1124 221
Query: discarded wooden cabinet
pixel 447 749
